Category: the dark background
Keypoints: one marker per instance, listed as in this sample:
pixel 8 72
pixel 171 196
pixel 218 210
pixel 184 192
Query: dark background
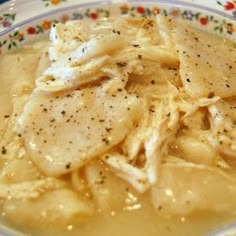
pixel 2 1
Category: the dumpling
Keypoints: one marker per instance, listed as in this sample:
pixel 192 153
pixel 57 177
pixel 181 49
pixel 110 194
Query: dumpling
pixel 185 188
pixel 207 63
pixel 62 132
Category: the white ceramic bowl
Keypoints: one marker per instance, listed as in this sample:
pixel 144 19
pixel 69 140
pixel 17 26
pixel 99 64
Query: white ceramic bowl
pixel 22 21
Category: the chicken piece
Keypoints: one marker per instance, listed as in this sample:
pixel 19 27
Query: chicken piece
pixel 153 134
pixel 62 132
pixel 136 177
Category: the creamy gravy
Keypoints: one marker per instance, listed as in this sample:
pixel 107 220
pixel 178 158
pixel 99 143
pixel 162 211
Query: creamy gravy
pixel 18 70
pixel 139 222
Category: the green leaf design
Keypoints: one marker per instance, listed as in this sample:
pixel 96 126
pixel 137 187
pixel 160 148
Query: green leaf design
pixel 148 11
pixel 13 16
pixel 87 13
pixel 107 14
pixel 197 15
pixel 16 33
pixel 165 12
pixel 9 17
pixel 39 29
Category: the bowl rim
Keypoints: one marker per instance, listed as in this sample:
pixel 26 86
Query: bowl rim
pixel 110 3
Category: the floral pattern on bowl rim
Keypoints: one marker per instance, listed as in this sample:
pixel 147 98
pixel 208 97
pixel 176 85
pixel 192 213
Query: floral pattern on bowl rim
pixel 6 19
pixel 52 2
pixel 228 6
pixel 22 9
pixel 29 31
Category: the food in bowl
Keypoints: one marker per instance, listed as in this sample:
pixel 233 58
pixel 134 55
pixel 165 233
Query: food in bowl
pixel 119 119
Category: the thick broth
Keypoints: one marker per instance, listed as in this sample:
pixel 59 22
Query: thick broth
pixel 142 221
pixel 139 222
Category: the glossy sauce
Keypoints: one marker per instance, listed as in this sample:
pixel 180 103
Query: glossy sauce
pixel 140 222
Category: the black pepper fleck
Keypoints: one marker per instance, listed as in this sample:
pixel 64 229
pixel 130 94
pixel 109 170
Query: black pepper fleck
pixel 4 150
pixel 106 141
pixel 121 64
pixel 68 165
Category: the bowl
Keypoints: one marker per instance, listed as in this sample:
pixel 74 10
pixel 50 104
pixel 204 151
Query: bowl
pixel 25 21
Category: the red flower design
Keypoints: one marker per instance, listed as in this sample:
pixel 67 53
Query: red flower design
pixel 141 10
pixel 31 30
pixel 55 2
pixel 203 20
pixel 6 24
pixel 229 6
pixel 94 16
pixel 65 18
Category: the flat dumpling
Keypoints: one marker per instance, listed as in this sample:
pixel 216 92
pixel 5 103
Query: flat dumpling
pixel 16 78
pixel 185 188
pixel 62 132
pixel 59 207
pixel 108 191
pixel 207 63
